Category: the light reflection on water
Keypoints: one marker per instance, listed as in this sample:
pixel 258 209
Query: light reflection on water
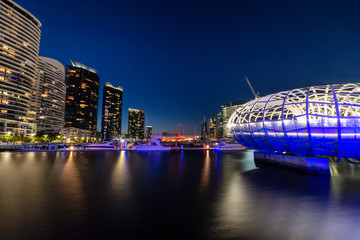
pixel 120 177
pixel 205 179
pixel 170 195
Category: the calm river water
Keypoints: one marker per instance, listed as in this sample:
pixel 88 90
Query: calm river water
pixel 169 195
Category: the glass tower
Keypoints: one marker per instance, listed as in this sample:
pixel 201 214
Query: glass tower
pixel 111 111
pixel 148 133
pixel 136 121
pixel 212 128
pixel 82 93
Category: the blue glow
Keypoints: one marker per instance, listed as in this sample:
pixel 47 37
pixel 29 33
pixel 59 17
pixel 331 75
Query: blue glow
pixel 313 121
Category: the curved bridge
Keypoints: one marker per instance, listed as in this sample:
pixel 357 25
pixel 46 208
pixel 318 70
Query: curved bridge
pixel 312 121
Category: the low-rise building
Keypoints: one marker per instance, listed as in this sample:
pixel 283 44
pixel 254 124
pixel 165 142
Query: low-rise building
pixel 70 133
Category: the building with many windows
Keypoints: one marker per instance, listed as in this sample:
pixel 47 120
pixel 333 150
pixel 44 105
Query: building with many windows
pixel 75 134
pixel 19 49
pixel 111 111
pixel 82 94
pixel 52 90
pixel 136 121
pixel 219 126
pixel 212 128
pixel 226 112
pixel 148 133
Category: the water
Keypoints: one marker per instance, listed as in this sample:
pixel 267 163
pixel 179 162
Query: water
pixel 170 195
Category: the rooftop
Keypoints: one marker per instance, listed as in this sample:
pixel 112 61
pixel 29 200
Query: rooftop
pixel 235 103
pixel 107 84
pixel 80 65
pixel 23 11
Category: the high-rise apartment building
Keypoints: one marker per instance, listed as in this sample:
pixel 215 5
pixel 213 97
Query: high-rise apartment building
pixel 19 49
pixel 136 121
pixel 212 128
pixel 226 112
pixel 82 94
pixel 148 133
pixel 204 130
pixel 111 111
pixel 52 90
pixel 219 126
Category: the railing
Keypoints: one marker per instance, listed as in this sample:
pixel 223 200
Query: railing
pixel 30 146
pixel 10 146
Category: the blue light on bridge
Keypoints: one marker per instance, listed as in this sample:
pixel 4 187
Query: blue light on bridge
pixel 312 121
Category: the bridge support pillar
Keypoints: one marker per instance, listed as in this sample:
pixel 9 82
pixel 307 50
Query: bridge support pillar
pixel 309 165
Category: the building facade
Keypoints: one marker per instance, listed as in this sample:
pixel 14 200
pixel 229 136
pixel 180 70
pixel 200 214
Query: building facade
pixel 204 130
pixel 212 128
pixel 219 126
pixel 52 91
pixel 111 112
pixel 82 94
pixel 19 49
pixel 72 133
pixel 148 133
pixel 226 111
pixel 136 121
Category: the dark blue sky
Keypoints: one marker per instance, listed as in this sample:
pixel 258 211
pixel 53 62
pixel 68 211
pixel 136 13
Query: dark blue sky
pixel 181 60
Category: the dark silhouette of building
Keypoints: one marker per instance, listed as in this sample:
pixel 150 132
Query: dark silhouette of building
pixel 219 126
pixel 204 130
pixel 136 121
pixel 82 93
pixel 148 133
pixel 212 128
pixel 111 112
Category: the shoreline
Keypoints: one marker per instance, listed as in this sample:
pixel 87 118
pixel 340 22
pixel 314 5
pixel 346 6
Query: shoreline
pixel 103 150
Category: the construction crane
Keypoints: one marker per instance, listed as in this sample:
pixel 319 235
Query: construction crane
pixel 252 89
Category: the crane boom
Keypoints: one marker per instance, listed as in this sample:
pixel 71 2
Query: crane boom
pixel 252 89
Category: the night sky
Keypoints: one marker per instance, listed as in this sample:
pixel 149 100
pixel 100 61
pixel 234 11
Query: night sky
pixel 181 60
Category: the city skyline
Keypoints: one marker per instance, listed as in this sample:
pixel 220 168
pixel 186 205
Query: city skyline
pixel 184 54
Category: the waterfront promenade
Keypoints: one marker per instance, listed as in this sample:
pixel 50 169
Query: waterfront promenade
pixel 80 148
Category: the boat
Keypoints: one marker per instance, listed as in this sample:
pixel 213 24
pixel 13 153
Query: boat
pixel 152 145
pixel 111 144
pixel 229 146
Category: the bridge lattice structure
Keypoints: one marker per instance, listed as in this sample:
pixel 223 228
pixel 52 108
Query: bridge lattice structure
pixel 312 121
